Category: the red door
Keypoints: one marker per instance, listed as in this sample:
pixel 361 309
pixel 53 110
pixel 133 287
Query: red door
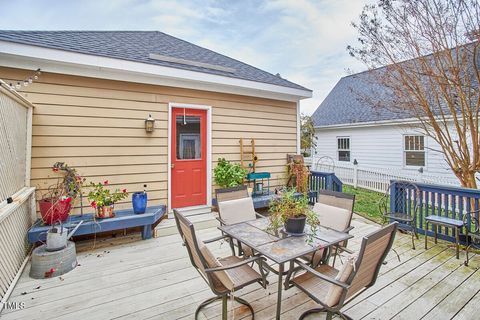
pixel 189 157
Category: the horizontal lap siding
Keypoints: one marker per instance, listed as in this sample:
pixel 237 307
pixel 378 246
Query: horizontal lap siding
pixel 97 126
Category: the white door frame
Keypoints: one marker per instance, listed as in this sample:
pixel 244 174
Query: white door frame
pixel 172 105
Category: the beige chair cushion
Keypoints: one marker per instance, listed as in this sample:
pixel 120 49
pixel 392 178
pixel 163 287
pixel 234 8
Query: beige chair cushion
pixel 238 210
pixel 334 293
pixel 213 262
pixel 332 217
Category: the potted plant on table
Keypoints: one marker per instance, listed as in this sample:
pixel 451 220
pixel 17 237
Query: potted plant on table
pixel 103 200
pixel 227 174
pixel 56 203
pixel 292 212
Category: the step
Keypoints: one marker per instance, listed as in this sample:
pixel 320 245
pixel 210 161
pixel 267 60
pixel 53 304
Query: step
pixel 200 221
pixel 192 211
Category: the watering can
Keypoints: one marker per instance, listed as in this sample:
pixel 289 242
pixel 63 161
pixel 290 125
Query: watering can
pixel 57 237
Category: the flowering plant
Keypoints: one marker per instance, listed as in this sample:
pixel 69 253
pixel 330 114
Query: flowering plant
pixel 100 196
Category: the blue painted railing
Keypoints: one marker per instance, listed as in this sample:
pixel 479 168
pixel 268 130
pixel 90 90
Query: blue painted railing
pixel 324 181
pixel 445 201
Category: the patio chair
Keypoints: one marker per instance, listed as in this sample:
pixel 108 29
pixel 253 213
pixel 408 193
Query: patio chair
pixel 224 276
pixel 334 210
pixel 333 288
pixel 234 206
pixel 403 208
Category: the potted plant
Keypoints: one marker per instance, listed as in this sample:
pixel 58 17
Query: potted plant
pixel 103 200
pixel 227 174
pixel 291 211
pixel 56 203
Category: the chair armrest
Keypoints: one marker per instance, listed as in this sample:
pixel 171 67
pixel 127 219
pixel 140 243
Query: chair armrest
pixel 345 249
pixel 349 229
pixel 222 222
pixel 216 239
pixel 321 276
pixel 236 265
pixel 259 215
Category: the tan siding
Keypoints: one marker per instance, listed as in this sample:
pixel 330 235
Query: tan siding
pixel 97 126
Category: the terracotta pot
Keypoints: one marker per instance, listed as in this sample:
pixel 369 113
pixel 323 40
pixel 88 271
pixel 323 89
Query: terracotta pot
pixel 295 226
pixel 53 210
pixel 105 212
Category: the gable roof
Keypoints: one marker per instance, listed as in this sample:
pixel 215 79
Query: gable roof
pixel 150 47
pixel 347 103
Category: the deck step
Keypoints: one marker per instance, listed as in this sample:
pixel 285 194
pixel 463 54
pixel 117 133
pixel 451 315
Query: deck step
pixel 192 211
pixel 200 221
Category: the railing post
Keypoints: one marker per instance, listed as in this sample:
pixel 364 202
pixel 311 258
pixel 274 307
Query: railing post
pixel 355 173
pixel 393 195
pixel 329 182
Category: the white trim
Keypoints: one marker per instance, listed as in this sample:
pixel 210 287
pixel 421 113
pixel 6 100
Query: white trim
pixel 25 56
pixel 404 152
pixel 172 105
pixel 390 122
pixel 299 125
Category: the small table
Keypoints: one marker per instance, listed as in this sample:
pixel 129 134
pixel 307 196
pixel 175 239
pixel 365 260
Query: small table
pixel 446 222
pixel 282 248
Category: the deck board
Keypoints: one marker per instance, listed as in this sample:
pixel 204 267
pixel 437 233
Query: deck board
pixel 154 279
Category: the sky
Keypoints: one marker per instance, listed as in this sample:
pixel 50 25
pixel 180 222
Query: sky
pixel 303 40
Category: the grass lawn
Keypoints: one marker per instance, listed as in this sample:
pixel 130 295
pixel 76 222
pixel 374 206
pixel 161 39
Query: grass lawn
pixel 366 202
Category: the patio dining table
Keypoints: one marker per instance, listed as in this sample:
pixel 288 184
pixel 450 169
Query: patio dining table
pixel 282 247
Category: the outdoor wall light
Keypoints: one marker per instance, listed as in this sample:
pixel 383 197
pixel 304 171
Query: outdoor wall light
pixel 149 124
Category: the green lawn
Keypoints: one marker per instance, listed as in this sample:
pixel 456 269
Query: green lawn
pixel 366 202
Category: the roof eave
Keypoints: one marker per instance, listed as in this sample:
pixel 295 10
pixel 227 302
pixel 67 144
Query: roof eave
pixel 60 61
pixel 369 124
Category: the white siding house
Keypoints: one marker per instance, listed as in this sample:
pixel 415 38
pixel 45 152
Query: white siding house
pixel 349 129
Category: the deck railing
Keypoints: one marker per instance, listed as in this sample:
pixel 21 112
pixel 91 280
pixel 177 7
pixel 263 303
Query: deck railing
pixel 324 181
pixel 445 201
pixel 17 198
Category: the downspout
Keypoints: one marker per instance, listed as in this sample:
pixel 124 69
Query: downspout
pixel 298 126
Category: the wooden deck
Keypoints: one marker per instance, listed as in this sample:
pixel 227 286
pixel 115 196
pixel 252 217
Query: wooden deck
pixel 153 279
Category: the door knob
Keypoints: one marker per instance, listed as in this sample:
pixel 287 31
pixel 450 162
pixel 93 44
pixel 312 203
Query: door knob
pixel 172 165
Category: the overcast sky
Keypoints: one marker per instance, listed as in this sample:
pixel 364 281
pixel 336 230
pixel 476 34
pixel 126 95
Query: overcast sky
pixel 305 41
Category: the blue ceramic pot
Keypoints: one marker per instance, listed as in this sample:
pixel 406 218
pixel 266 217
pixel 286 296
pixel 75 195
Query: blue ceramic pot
pixel 139 202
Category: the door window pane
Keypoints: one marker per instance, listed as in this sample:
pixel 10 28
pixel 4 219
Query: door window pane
pixel 188 137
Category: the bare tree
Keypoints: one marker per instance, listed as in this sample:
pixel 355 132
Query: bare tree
pixel 429 50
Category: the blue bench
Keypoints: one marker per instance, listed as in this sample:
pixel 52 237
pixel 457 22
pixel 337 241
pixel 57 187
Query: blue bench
pixel 123 219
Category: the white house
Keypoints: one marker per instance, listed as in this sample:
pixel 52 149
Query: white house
pixel 348 128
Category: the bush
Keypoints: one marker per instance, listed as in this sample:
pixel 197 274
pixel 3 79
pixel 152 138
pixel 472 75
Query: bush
pixel 227 174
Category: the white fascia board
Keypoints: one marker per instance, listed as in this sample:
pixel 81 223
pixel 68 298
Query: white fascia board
pixel 24 56
pixel 369 124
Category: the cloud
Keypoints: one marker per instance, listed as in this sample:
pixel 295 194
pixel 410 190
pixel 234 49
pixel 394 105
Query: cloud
pixel 303 40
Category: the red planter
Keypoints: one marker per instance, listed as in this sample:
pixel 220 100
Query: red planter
pixel 54 210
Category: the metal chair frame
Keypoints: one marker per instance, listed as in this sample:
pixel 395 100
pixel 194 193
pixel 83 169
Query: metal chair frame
pixel 408 218
pixel 208 277
pixel 335 310
pixel 469 234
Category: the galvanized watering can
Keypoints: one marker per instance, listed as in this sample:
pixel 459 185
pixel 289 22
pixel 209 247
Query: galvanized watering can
pixel 57 237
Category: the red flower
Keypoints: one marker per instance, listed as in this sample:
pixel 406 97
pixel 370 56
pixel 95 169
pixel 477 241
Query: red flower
pixel 68 200
pixel 79 178
pixel 93 204
pixel 124 190
pixel 55 169
pixel 105 182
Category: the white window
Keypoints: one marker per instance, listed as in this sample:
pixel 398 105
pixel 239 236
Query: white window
pixel 343 149
pixel 414 150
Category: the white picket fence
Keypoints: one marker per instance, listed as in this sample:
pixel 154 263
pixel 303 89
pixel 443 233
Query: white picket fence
pixel 17 198
pixel 375 179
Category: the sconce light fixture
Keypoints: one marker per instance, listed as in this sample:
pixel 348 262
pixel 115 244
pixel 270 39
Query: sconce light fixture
pixel 149 124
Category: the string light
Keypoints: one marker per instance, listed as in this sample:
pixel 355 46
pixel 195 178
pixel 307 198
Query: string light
pixel 27 81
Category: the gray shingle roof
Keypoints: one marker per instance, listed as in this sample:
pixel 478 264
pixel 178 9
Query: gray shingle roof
pixel 138 45
pixel 348 102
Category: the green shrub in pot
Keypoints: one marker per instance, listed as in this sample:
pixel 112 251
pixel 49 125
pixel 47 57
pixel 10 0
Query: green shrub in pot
pixel 227 174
